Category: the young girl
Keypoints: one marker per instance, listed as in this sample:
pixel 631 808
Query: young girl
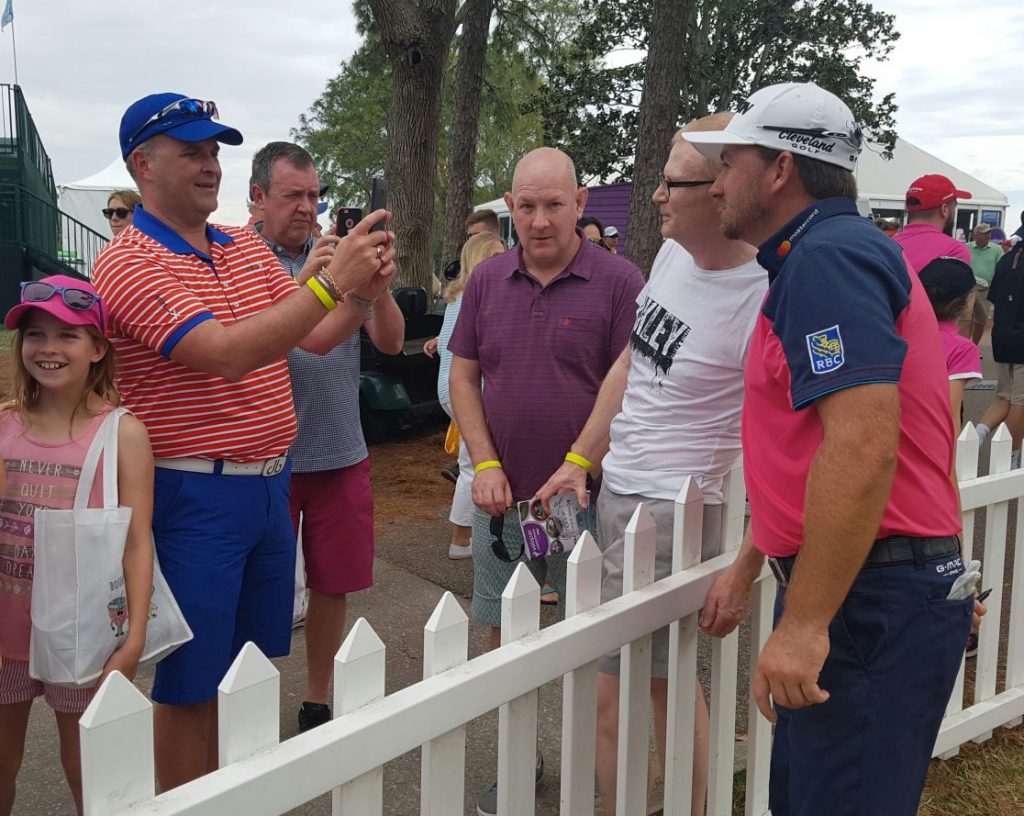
pixel 63 389
pixel 949 283
pixel 477 248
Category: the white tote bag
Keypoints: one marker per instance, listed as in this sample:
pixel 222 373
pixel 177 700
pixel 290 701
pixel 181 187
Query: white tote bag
pixel 79 605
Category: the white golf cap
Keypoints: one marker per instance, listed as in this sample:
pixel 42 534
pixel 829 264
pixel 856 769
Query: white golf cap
pixel 610 232
pixel 798 117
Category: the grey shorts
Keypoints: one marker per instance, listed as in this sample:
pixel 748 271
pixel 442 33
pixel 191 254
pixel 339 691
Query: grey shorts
pixel 613 514
pixel 491 574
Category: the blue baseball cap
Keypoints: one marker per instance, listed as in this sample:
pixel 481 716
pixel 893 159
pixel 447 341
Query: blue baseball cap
pixel 156 114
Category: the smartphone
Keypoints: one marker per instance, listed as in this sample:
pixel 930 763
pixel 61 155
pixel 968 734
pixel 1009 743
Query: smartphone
pixel 379 201
pixel 347 218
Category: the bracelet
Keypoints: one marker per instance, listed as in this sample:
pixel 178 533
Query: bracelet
pixel 327 279
pixel 582 461
pixel 490 463
pixel 359 301
pixel 321 293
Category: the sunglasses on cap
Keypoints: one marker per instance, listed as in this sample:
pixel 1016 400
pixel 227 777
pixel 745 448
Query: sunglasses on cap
pixel 80 300
pixel 110 212
pixel 190 107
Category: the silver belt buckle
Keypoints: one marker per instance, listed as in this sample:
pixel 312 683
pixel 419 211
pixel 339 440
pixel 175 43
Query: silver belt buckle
pixel 778 571
pixel 273 466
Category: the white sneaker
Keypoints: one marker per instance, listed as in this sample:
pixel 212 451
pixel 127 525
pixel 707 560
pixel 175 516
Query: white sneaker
pixel 456 553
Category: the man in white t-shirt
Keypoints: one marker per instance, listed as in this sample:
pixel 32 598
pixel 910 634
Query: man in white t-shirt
pixel 670 408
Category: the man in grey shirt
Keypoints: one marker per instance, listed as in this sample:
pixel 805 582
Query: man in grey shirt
pixel 329 456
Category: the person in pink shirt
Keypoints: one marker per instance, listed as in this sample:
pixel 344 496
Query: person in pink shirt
pixel 949 283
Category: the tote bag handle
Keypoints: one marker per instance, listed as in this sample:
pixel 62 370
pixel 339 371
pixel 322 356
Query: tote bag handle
pixel 104 442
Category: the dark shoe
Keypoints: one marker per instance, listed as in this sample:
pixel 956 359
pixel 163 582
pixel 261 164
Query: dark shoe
pixel 451 473
pixel 487 801
pixel 972 645
pixel 313 714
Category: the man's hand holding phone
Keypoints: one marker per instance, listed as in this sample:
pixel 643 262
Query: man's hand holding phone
pixel 364 260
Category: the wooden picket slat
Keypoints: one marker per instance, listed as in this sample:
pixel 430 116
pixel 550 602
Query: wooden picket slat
pixel 517 719
pixel 359 681
pixel 635 672
pixel 116 733
pixel 759 730
pixel 967 448
pixel 443 760
pixel 683 686
pixel 1015 647
pixel 579 687
pixel 248 700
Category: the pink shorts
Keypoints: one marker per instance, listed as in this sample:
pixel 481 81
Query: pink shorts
pixel 337 527
pixel 16 686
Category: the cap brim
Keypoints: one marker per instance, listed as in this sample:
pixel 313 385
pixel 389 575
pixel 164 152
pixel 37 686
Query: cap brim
pixel 963 194
pixel 321 208
pixel 711 142
pixel 54 307
pixel 199 130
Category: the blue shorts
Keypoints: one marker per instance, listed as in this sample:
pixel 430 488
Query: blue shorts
pixel 895 647
pixel 227 548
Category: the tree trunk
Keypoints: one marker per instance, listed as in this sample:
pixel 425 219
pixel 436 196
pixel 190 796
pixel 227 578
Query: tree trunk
pixel 465 125
pixel 416 38
pixel 657 119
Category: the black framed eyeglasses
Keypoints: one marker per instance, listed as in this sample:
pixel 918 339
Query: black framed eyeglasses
pixel 200 108
pixel 80 300
pixel 854 136
pixel 668 184
pixel 110 212
pixel 498 545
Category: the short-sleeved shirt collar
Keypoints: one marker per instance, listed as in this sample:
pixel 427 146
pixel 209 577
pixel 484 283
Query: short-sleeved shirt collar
pixel 772 253
pixel 164 235
pixel 282 253
pixel 512 262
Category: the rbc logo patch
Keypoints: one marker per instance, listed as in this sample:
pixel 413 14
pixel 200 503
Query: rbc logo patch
pixel 825 348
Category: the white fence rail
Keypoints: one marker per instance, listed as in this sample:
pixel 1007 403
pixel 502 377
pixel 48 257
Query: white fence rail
pixel 260 775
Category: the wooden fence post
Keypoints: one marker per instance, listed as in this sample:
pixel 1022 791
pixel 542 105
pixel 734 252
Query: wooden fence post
pixel 579 688
pixel 116 733
pixel 443 760
pixel 248 701
pixel 358 681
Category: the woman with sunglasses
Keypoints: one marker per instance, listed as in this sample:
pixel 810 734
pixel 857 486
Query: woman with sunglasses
pixel 63 389
pixel 120 210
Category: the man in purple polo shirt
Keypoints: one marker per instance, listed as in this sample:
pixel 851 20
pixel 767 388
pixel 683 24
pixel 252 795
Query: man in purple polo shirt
pixel 541 324
pixel 931 214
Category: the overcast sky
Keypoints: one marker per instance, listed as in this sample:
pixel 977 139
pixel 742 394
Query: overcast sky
pixel 956 72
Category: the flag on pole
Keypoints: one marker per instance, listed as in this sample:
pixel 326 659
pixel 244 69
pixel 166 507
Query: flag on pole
pixel 8 15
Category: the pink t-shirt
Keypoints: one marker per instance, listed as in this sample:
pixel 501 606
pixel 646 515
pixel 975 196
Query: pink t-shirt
pixel 39 475
pixel 963 360
pixel 923 243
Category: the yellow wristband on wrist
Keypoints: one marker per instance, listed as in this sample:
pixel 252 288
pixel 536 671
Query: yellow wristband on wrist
pixel 321 293
pixel 490 463
pixel 582 461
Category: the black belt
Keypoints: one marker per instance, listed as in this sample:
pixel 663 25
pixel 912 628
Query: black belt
pixel 885 552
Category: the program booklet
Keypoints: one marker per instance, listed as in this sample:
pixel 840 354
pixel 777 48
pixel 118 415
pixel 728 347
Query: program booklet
pixel 551 533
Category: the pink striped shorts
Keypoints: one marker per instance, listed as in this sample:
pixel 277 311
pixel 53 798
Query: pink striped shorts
pixel 16 686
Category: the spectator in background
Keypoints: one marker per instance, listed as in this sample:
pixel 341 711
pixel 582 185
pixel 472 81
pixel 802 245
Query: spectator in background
pixel 931 213
pixel 478 248
pixel 984 256
pixel 541 324
pixel 331 497
pixel 949 283
pixel 611 239
pixel 592 229
pixel 120 210
pixel 1007 296
pixel 1019 232
pixel 483 221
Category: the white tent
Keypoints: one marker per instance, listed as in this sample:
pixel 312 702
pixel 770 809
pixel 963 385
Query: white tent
pixel 84 199
pixel 884 184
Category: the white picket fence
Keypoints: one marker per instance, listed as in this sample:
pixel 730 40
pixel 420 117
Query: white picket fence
pixel 261 775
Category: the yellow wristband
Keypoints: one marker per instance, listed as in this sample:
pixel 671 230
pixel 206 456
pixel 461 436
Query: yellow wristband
pixel 490 463
pixel 582 461
pixel 321 293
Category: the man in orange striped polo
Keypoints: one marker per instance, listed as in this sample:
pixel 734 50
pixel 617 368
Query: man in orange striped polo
pixel 202 318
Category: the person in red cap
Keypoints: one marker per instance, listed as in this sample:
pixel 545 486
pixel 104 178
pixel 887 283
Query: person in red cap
pixel 931 215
